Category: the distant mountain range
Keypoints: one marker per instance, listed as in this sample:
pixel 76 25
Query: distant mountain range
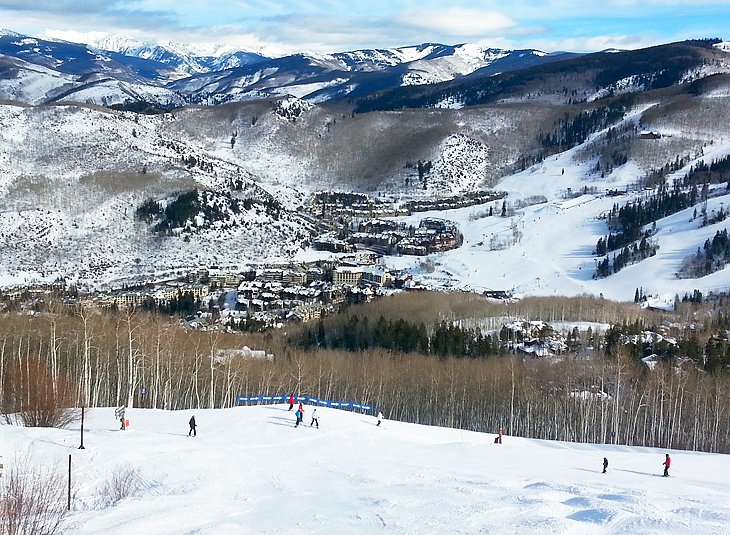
pixel 182 58
pixel 120 71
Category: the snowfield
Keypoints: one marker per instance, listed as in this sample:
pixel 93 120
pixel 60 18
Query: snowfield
pixel 250 471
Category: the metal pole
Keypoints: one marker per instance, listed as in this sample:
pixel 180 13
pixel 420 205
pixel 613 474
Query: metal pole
pixel 82 430
pixel 69 482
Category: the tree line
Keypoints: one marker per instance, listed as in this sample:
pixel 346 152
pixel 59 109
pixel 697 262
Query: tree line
pixel 713 256
pixel 626 227
pixel 357 334
pixel 714 173
pixel 626 222
pixel 106 360
pixel 572 131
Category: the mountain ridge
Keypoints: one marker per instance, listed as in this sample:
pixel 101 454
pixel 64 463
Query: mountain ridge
pixel 180 67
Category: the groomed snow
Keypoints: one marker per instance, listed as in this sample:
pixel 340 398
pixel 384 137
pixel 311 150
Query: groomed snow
pixel 250 471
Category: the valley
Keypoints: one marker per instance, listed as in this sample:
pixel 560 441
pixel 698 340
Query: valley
pixel 526 185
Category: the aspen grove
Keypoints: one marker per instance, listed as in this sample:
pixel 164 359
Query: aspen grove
pixel 86 358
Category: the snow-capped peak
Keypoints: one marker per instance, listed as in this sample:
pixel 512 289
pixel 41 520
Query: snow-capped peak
pixel 215 50
pixel 8 33
pixel 117 43
pixel 125 44
pixel 476 54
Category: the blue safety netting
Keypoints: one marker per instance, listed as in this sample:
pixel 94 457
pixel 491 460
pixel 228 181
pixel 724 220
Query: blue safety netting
pixel 308 400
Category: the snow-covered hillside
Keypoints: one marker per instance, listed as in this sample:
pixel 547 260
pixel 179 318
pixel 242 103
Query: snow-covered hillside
pixel 68 197
pixel 26 82
pixel 249 470
pixel 546 246
pixel 72 177
pixel 464 60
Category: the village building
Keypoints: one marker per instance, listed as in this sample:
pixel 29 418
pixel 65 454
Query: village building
pixel 350 276
pixel 314 273
pixel 376 276
pixel 272 274
pixel 304 313
pixel 130 299
pixel 294 275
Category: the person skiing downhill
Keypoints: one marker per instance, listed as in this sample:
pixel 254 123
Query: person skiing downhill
pixel 667 462
pixel 380 419
pixel 605 465
pixel 299 417
pixel 119 413
pixel 291 401
pixel 315 418
pixel 193 427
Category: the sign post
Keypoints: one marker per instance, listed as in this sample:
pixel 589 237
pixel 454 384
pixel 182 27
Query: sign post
pixel 69 482
pixel 82 429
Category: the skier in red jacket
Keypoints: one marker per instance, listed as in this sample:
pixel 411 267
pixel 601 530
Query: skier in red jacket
pixel 667 462
pixel 291 401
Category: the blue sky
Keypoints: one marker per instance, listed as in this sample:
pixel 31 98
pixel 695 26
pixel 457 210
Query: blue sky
pixel 338 25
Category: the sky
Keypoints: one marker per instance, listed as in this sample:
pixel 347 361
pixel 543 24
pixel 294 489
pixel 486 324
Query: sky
pixel 327 26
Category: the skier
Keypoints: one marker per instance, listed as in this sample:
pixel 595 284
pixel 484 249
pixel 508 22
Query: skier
pixel 605 464
pixel 667 462
pixel 380 419
pixel 119 413
pixel 301 413
pixel 299 418
pixel 193 427
pixel 315 418
pixel 291 401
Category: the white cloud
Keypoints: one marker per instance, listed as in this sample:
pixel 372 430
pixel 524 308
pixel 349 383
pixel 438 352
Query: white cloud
pixel 73 36
pixel 456 21
pixel 597 43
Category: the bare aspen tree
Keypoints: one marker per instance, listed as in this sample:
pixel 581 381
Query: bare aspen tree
pixel 213 337
pixel 512 396
pixel 298 373
pixel 130 316
pixel 85 315
pixel 53 347
pixel 719 407
pixel 2 368
pixel 619 364
pixel 156 379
